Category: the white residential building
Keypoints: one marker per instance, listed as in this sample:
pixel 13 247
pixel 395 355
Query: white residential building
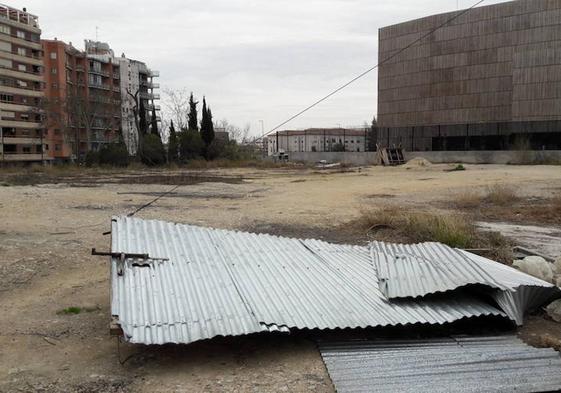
pixel 136 80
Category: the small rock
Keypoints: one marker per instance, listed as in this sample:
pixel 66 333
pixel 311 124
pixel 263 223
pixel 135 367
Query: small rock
pixel 535 266
pixel 557 265
pixel 554 310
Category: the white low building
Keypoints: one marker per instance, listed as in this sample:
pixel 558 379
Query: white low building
pixel 318 140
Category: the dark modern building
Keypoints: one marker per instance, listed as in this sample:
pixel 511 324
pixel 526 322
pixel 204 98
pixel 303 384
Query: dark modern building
pixel 488 80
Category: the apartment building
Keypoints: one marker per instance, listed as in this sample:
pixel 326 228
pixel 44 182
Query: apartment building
pixel 137 80
pixel 66 97
pixel 21 83
pixel 104 95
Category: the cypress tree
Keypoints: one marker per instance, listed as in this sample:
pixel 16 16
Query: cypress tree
pixel 173 144
pixel 192 123
pixel 154 123
pixel 207 128
pixel 142 123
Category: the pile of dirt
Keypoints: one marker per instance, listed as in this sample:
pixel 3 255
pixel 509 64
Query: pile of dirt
pixel 417 162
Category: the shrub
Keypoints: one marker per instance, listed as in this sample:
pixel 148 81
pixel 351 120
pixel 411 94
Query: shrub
pixel 152 152
pixel 92 158
pixel 114 154
pixel 191 145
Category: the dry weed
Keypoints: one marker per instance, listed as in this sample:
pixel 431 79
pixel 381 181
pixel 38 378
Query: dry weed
pixel 501 195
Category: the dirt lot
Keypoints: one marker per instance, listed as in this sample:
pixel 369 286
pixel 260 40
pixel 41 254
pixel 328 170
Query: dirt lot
pixel 48 228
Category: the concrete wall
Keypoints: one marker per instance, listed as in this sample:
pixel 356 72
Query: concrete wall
pixel 497 63
pixel 437 157
pixel 488 157
pixel 352 158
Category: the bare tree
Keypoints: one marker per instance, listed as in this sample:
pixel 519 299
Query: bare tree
pixel 176 105
pixel 240 135
pixel 75 113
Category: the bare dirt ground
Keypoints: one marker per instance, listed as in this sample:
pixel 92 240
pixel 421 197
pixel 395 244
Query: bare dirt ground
pixel 48 228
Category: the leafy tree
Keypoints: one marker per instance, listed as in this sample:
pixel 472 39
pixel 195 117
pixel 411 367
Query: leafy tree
pixel 207 128
pixel 173 145
pixel 142 123
pixel 192 123
pixel 153 152
pixel 191 145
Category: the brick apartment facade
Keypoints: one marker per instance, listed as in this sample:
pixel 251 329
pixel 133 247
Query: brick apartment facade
pixel 21 87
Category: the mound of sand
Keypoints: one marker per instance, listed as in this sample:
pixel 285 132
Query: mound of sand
pixel 418 161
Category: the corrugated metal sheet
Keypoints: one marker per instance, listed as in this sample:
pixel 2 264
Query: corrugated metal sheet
pixel 217 282
pixel 460 364
pixel 416 270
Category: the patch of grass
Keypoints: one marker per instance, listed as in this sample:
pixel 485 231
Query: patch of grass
pixel 459 167
pixel 77 310
pixel 468 200
pixel 453 230
pixel 501 195
pixel 70 310
pixel 411 226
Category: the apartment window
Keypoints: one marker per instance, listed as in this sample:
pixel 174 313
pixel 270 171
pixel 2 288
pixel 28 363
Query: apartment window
pixel 9 115
pixel 5 46
pixel 53 70
pixel 6 98
pixel 58 147
pixel 46 147
pixel 21 51
pixel 20 34
pixel 22 67
pixel 55 85
pixel 24 116
pixel 4 29
pixel 5 63
pixel 53 55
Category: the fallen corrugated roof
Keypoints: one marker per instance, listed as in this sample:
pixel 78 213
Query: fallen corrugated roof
pixel 416 270
pixel 202 283
pixel 460 364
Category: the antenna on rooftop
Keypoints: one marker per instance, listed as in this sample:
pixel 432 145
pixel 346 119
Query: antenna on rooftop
pixel 96 31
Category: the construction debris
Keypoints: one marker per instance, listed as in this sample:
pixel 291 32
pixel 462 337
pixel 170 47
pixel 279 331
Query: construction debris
pixel 390 156
pixel 200 283
pixel 535 266
pixel 554 310
pixel 447 365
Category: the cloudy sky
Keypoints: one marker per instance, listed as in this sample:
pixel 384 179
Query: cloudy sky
pixel 253 59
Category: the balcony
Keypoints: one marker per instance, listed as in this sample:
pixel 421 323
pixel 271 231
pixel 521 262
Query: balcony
pixel 20 124
pixel 116 75
pixel 99 72
pixel 154 74
pixel 31 59
pixel 14 140
pixel 24 157
pixel 101 86
pixel 80 68
pixel 25 75
pixel 116 89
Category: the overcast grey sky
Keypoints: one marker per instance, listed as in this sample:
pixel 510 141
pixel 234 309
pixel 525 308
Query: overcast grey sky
pixel 253 59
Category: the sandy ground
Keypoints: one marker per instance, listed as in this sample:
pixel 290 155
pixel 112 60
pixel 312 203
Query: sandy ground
pixel 48 230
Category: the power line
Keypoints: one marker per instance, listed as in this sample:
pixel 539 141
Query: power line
pixel 371 69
